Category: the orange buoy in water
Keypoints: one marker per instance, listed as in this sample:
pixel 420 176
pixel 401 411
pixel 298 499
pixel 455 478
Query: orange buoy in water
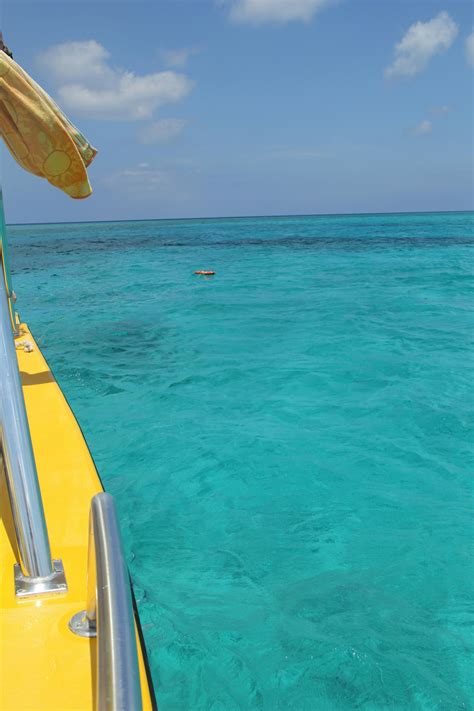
pixel 203 272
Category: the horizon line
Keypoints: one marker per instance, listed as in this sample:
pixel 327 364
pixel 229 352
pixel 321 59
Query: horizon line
pixel 244 217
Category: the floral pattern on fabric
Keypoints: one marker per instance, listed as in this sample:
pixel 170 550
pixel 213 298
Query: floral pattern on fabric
pixel 39 136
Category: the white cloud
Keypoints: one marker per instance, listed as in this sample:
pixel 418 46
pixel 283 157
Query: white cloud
pixel 131 98
pixel 422 129
pixel 162 131
pixel 470 49
pixel 421 42
pixel 88 85
pixel 142 177
pixel 178 57
pixel 258 12
pixel 76 61
pixel 440 110
pixel 170 185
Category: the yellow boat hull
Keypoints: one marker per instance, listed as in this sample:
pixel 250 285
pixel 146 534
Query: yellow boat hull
pixel 43 665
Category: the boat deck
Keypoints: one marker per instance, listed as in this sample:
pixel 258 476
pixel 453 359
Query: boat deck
pixel 43 664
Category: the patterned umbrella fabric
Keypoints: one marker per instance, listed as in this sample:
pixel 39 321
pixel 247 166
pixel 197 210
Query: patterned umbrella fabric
pixel 38 134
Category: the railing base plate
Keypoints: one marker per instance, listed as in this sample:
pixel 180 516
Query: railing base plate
pixel 28 587
pixel 82 626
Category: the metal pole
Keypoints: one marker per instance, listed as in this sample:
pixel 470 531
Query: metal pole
pixel 38 573
pixel 118 680
pixel 6 267
pixel 109 615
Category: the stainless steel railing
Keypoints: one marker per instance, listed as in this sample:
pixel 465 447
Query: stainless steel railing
pixel 37 573
pixel 5 264
pixel 109 614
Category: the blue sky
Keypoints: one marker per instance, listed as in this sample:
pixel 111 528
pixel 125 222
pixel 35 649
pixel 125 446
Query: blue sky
pixel 246 107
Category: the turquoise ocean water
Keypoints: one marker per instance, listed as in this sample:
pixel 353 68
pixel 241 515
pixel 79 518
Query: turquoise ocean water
pixel 289 444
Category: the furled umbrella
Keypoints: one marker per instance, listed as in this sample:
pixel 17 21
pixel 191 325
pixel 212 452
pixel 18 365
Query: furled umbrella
pixel 38 134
